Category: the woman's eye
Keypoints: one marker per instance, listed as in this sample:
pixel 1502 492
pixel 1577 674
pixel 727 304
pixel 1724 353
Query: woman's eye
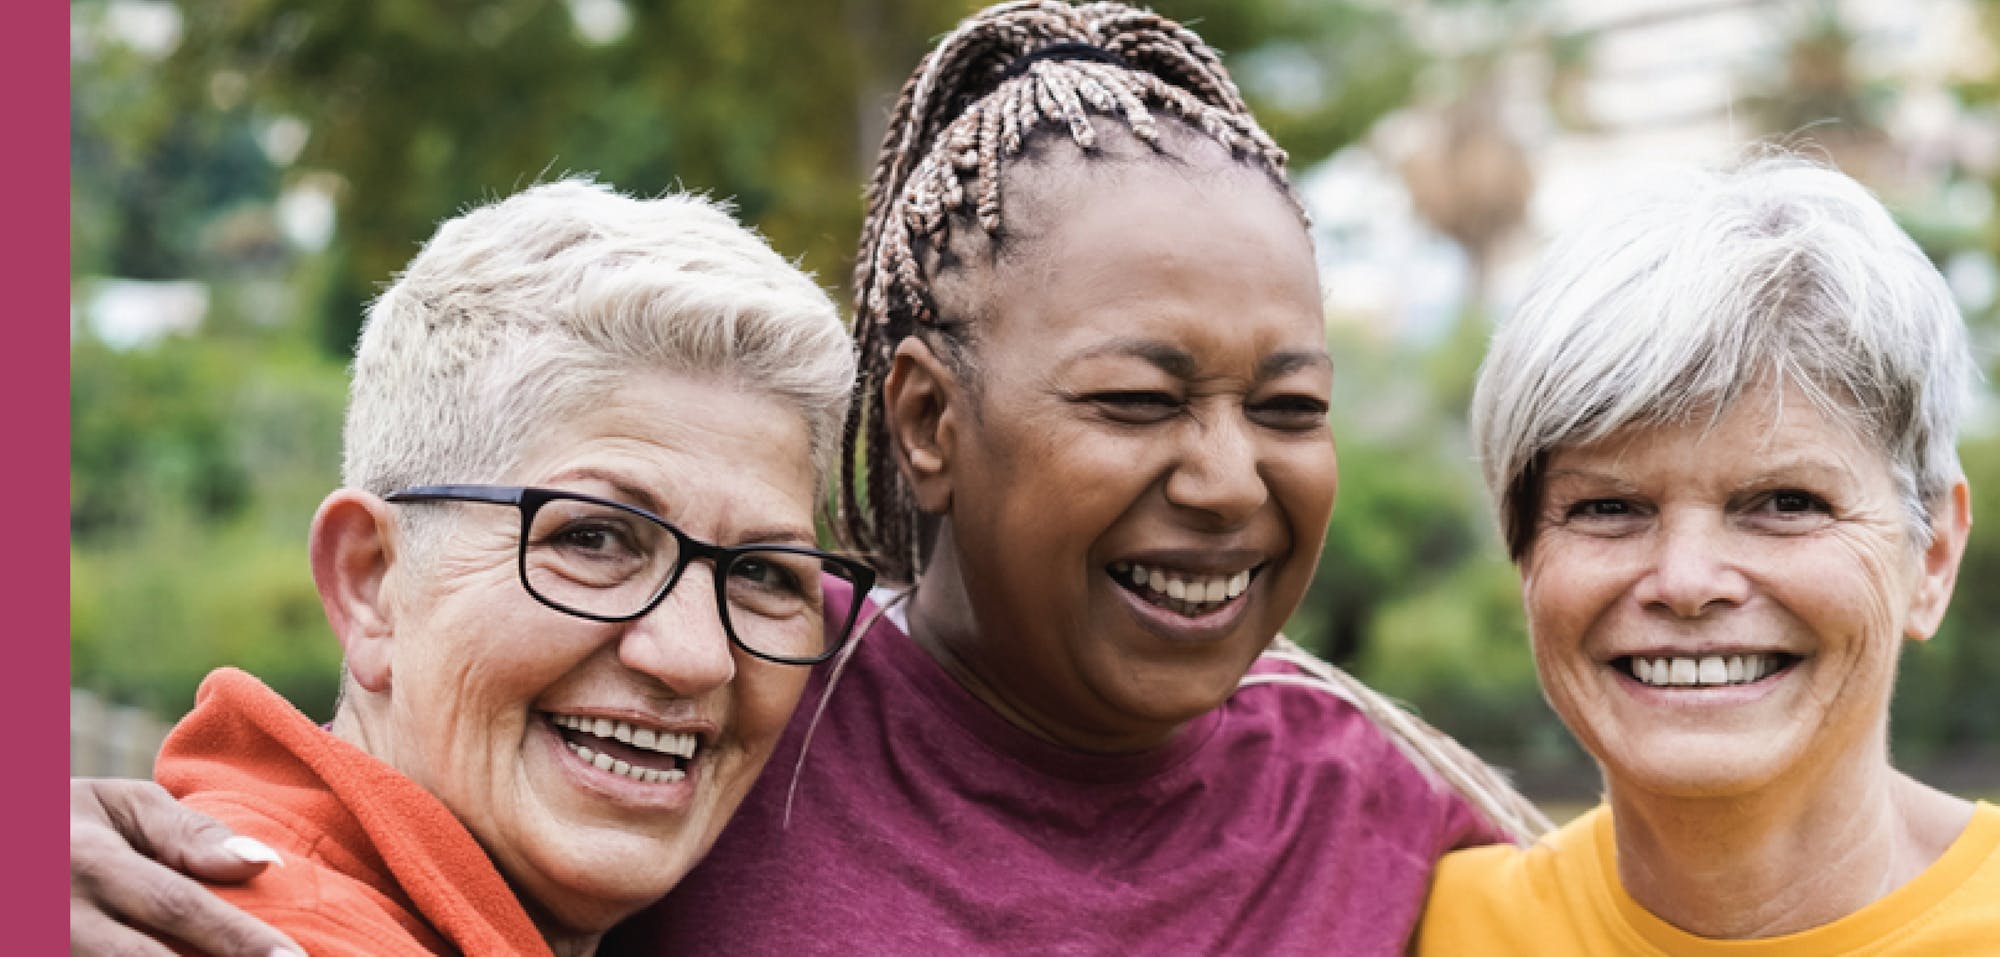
pixel 1793 501
pixel 1600 508
pixel 1290 412
pixel 761 580
pixel 1604 516
pixel 1137 405
pixel 593 539
pixel 1791 509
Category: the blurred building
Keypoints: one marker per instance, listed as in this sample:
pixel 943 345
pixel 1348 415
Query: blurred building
pixel 1523 117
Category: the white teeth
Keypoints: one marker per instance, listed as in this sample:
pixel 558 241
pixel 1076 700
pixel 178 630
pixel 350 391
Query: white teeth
pixel 664 742
pixel 1181 592
pixel 605 762
pixel 1708 671
pixel 1684 671
pixel 1713 671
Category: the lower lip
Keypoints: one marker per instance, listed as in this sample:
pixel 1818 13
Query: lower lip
pixel 1176 627
pixel 667 796
pixel 1691 696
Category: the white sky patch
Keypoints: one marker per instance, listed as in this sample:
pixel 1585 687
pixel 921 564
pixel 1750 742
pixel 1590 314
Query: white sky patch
pixel 132 313
pixel 1973 280
pixel 283 139
pixel 600 21
pixel 1380 267
pixel 150 27
pixel 306 215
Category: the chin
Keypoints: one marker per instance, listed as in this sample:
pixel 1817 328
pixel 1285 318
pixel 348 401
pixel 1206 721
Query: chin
pixel 593 888
pixel 1177 695
pixel 1691 767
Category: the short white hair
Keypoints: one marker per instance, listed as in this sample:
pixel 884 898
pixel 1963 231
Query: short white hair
pixel 1689 288
pixel 520 314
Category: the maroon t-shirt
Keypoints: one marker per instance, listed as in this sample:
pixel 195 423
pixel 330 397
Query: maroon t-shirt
pixel 926 824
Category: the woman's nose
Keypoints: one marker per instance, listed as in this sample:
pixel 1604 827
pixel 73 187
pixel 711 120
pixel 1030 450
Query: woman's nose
pixel 1218 472
pixel 1692 572
pixel 682 643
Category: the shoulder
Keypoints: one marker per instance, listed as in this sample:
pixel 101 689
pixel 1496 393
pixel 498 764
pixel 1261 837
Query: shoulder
pixel 1503 899
pixel 328 900
pixel 1306 720
pixel 1964 886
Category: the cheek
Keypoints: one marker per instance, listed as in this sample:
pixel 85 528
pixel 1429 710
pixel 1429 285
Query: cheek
pixel 766 695
pixel 1304 481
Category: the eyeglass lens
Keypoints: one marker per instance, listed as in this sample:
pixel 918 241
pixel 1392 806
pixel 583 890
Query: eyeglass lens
pixel 608 562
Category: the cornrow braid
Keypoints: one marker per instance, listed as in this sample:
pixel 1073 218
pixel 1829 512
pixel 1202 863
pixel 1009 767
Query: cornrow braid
pixel 1004 75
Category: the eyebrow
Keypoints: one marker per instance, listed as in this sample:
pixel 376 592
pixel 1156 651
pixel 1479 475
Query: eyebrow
pixel 1181 364
pixel 637 495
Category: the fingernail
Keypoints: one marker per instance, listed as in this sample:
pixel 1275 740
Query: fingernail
pixel 282 952
pixel 252 851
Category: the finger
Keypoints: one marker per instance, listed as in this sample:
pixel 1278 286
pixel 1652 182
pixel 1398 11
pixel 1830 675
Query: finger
pixel 94 934
pixel 186 840
pixel 158 900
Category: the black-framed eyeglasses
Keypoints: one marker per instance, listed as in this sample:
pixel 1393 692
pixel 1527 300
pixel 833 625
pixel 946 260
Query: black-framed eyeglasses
pixel 607 561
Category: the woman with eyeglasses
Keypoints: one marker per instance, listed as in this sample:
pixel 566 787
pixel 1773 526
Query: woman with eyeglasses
pixel 559 681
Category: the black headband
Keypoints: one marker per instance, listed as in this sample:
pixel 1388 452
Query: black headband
pixel 1066 50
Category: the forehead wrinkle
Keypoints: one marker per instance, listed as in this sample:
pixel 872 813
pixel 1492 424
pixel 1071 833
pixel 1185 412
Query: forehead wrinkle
pixel 626 490
pixel 1172 360
pixel 1291 360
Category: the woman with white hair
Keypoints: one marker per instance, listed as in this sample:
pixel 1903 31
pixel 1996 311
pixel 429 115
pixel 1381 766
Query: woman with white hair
pixel 573 574
pixel 1720 432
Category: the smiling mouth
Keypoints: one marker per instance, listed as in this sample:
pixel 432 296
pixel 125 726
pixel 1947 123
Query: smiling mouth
pixel 1185 593
pixel 1708 671
pixel 642 754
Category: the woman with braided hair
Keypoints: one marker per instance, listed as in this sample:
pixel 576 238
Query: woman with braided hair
pixel 1091 428
pixel 1090 439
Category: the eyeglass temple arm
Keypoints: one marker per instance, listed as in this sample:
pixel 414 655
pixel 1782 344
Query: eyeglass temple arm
pixel 497 494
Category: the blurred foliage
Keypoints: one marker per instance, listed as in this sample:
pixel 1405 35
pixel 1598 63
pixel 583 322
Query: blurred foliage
pixel 197 460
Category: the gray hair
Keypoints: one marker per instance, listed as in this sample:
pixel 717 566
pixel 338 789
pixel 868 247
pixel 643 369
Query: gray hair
pixel 1683 292
pixel 524 312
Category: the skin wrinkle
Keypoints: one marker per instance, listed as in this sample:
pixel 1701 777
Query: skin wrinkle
pixel 1096 683
pixel 953 105
pixel 1772 816
pixel 474 662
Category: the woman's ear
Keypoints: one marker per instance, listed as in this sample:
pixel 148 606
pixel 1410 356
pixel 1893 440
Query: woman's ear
pixel 1950 527
pixel 352 547
pixel 923 402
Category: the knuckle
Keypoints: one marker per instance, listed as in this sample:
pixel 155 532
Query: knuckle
pixel 172 905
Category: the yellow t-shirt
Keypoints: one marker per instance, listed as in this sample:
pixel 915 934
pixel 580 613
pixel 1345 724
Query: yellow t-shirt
pixel 1562 897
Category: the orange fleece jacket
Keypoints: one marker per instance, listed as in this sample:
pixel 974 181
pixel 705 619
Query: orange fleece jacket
pixel 373 864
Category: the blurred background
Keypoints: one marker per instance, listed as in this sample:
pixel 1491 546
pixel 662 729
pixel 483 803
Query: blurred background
pixel 246 174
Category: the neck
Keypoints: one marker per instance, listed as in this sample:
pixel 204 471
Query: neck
pixel 1783 859
pixel 944 624
pixel 357 721
pixel 563 941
